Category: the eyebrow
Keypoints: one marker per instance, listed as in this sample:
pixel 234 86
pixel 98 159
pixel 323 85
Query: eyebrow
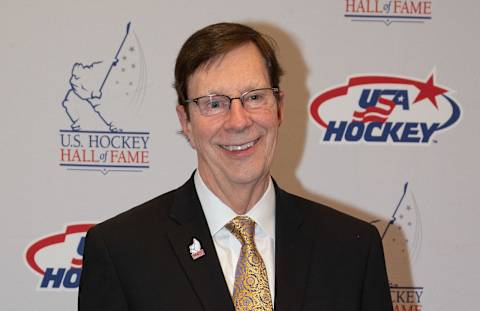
pixel 242 91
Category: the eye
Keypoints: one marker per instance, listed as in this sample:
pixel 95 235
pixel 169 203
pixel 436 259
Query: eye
pixel 214 104
pixel 254 97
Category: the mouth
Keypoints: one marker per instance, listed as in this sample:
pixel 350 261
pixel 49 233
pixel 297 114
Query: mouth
pixel 241 147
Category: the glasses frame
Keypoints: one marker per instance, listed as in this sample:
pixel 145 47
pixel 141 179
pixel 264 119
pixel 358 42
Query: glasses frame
pixel 275 91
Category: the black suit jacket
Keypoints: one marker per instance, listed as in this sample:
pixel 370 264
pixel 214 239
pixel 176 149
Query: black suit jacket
pixel 140 260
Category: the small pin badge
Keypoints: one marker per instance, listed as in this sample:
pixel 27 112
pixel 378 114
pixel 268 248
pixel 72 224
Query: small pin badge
pixel 196 250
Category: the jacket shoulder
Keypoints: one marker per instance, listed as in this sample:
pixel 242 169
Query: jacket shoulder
pixel 327 220
pixel 146 215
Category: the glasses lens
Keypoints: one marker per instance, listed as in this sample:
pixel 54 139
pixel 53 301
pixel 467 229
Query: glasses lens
pixel 213 104
pixel 258 98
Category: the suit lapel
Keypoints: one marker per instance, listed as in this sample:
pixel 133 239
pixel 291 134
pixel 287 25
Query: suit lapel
pixel 205 273
pixel 292 253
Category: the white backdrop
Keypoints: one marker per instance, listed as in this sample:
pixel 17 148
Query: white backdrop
pixel 54 178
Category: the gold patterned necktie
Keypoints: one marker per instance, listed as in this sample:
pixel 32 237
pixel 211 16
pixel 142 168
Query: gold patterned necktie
pixel 251 290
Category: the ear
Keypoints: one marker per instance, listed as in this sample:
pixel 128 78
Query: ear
pixel 185 124
pixel 280 106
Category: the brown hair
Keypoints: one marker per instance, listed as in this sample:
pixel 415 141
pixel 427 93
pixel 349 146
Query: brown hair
pixel 213 41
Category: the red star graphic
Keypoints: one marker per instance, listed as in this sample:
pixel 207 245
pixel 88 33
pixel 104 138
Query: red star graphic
pixel 430 91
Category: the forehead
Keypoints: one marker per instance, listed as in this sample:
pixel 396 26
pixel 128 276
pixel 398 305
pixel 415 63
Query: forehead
pixel 239 70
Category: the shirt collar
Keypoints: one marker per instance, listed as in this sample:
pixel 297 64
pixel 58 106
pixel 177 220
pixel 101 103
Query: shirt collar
pixel 218 214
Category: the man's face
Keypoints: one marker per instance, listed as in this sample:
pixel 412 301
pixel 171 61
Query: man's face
pixel 236 147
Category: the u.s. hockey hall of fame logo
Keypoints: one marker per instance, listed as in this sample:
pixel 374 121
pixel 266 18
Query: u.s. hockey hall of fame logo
pixel 402 238
pixel 99 92
pixel 389 11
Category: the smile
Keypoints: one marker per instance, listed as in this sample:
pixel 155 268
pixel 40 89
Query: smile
pixel 239 147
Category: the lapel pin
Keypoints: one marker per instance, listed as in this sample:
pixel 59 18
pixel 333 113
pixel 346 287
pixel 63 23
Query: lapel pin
pixel 196 250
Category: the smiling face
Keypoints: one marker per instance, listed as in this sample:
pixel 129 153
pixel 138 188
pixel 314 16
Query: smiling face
pixel 235 148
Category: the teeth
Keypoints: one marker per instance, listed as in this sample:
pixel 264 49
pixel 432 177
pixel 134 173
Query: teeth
pixel 238 147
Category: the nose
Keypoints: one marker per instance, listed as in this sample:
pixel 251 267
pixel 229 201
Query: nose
pixel 238 118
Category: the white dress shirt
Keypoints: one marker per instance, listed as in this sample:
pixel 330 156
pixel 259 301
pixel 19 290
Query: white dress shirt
pixel 218 214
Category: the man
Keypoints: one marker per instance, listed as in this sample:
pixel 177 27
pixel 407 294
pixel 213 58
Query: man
pixel 230 238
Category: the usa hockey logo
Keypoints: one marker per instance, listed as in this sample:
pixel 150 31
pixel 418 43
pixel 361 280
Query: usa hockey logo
pixel 57 258
pixel 384 110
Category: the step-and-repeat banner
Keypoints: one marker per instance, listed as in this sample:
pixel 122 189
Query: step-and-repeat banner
pixel 381 123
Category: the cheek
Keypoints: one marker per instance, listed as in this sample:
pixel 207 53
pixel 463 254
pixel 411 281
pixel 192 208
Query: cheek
pixel 189 133
pixel 270 121
pixel 270 125
pixel 200 134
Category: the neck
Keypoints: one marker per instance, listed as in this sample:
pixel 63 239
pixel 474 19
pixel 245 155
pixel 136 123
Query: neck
pixel 240 197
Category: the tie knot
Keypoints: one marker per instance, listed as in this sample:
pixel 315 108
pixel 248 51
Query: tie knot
pixel 243 228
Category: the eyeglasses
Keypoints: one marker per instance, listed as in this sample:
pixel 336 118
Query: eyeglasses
pixel 214 104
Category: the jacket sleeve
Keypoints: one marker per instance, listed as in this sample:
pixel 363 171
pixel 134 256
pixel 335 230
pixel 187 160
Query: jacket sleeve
pixel 376 290
pixel 100 288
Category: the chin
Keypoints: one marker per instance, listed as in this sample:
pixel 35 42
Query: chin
pixel 246 176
